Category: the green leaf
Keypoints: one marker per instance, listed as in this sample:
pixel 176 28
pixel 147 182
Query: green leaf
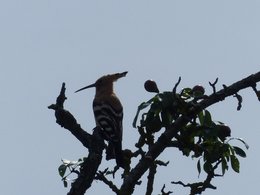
pixel 186 92
pixel 152 123
pixel 240 139
pixel 141 107
pixel 232 150
pixel 167 99
pixel 246 145
pixel 207 119
pixel 66 162
pixel 207 167
pixel 62 169
pixel 201 117
pixel 199 167
pixel 239 151
pixel 65 183
pixel 235 163
pixel 166 118
pixel 186 151
pixel 224 165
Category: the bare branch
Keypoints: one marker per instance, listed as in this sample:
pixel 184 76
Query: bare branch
pixel 199 187
pixel 176 85
pixel 101 176
pixel 61 98
pixel 94 143
pixel 256 91
pixel 161 163
pixel 239 99
pixel 165 193
pixel 196 188
pixel 213 85
pixel 65 119
pixel 150 177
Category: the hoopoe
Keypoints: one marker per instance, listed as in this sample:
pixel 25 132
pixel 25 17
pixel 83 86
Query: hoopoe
pixel 108 112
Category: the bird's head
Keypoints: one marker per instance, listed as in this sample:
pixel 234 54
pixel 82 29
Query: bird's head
pixel 105 83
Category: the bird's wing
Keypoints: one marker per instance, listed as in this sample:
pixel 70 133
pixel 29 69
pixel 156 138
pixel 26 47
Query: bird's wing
pixel 109 119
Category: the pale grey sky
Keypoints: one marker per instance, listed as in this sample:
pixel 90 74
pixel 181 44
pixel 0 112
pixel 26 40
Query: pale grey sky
pixel 45 43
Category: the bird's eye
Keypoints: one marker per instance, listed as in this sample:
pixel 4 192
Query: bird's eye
pixel 100 82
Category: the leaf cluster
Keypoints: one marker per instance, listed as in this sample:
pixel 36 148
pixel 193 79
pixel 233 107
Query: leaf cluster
pixel 69 167
pixel 201 138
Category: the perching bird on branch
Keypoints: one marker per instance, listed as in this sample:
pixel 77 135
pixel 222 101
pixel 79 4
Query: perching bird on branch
pixel 108 112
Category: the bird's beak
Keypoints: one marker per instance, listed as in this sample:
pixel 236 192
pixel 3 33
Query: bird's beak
pixel 89 86
pixel 120 75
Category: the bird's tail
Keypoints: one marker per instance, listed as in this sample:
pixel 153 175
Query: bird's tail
pixel 114 151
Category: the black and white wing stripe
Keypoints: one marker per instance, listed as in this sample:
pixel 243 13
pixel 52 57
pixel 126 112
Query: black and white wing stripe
pixel 109 119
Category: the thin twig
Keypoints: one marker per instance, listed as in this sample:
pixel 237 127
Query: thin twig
pixel 165 193
pixel 239 99
pixel 150 177
pixel 213 85
pixel 100 176
pixel 176 85
pixel 199 187
pixel 256 91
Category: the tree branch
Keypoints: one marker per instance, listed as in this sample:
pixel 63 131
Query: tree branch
pixel 199 187
pixel 127 187
pixel 65 119
pixel 165 193
pixel 150 177
pixel 94 143
pixel 213 85
pixel 100 176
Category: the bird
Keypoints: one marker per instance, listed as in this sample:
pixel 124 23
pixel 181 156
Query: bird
pixel 108 113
